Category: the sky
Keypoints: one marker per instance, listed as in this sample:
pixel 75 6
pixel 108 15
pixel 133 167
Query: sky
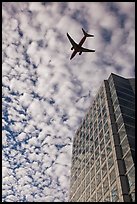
pixel 45 95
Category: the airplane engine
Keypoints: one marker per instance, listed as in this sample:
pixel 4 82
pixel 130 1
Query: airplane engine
pixel 80 53
pixel 72 48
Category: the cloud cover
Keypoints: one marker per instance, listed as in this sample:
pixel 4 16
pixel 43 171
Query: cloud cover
pixel 45 95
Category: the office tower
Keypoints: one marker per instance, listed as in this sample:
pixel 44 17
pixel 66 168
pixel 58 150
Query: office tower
pixel 103 155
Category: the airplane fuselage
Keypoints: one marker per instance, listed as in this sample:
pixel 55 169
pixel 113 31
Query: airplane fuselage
pixel 77 49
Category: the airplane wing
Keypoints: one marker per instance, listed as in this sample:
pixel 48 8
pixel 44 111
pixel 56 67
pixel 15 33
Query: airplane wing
pixel 72 41
pixel 82 49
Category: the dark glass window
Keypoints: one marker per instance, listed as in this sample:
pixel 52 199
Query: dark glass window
pixel 125 96
pixel 129 104
pixel 124 90
pixel 129 120
pixel 130 130
pixel 122 82
pixel 131 142
pixel 128 111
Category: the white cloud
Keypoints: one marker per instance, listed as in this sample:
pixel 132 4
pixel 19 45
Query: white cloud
pixel 45 95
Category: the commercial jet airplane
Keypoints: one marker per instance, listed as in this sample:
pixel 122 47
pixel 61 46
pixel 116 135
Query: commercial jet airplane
pixel 78 47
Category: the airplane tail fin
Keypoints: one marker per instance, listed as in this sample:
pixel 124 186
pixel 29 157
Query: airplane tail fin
pixel 86 34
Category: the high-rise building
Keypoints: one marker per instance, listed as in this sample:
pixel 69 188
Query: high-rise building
pixel 103 154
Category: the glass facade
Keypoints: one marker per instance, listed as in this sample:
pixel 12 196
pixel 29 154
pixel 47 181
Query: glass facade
pixel 103 148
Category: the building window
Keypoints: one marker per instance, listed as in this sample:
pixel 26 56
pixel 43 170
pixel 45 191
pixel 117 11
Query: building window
pixel 96 142
pixel 105 118
pixel 100 125
pixel 98 178
pixel 104 170
pixel 119 122
pixel 110 161
pixel 125 96
pixel 107 198
pixel 117 112
pixel 96 153
pixel 101 135
pixel 97 165
pixel 114 194
pixel 88 179
pixel 108 148
pixel 124 102
pixel 127 111
pixel 112 176
pixel 99 118
pixel 133 196
pixel 106 127
pixel 122 132
pixel 105 185
pixel 130 130
pixel 128 160
pixel 131 178
pixel 129 120
pixel 102 145
pixel 103 156
pixel 125 145
pixel 92 172
pixel 87 193
pixel 95 125
pixel 107 137
pixel 103 110
pixel 99 193
pixel 93 198
pixel 92 184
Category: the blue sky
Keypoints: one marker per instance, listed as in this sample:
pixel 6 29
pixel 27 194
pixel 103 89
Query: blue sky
pixel 45 95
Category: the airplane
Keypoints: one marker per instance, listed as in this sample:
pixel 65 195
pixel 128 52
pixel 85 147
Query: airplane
pixel 78 47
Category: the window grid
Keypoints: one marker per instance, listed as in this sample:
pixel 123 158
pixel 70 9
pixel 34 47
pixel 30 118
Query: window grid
pixel 93 149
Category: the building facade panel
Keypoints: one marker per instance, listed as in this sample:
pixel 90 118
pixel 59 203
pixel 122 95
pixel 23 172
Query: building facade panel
pixel 103 147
